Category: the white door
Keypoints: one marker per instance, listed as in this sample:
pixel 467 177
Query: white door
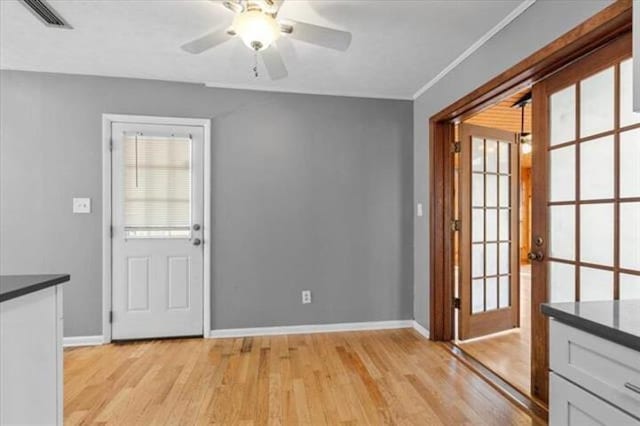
pixel 157 202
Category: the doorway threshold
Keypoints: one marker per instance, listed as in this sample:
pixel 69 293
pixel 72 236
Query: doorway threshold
pixel 537 409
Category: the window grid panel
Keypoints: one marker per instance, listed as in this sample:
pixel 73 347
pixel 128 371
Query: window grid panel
pixel 485 191
pixel 618 127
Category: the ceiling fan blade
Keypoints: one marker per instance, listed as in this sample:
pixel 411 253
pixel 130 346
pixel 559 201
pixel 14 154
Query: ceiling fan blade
pixel 272 6
pixel 206 42
pixel 233 5
pixel 321 36
pixel 273 63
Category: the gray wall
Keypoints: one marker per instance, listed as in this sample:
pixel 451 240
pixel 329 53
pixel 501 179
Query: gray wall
pixel 309 192
pixel 539 25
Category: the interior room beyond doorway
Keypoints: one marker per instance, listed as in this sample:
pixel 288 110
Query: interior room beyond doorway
pixel 508 353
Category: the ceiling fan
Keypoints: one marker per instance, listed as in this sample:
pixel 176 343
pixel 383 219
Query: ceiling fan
pixel 256 23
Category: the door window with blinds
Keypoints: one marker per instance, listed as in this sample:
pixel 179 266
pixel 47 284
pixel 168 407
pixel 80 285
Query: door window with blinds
pixel 157 186
pixel 594 188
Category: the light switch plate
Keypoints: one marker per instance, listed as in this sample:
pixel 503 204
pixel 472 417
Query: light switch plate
pixel 82 205
pixel 419 210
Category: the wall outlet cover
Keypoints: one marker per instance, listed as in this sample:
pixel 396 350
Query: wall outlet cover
pixel 82 205
pixel 306 297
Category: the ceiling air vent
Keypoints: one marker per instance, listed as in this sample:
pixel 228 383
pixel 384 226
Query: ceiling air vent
pixel 45 13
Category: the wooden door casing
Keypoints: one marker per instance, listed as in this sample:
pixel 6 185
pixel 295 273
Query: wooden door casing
pixel 595 32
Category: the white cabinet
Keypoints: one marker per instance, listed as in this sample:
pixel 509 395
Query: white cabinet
pixel 571 405
pixel 593 380
pixel 31 358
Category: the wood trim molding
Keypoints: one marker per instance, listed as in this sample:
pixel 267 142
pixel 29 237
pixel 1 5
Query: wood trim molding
pixel 539 323
pixel 592 34
pixel 441 255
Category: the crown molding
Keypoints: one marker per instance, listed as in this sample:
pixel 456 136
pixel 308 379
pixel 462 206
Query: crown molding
pixel 475 46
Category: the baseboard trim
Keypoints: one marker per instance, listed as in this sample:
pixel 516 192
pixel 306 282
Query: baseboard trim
pixel 311 328
pixel 69 342
pixel 420 329
pixel 74 341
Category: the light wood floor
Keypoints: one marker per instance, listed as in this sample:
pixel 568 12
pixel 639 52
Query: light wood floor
pixel 375 377
pixel 508 354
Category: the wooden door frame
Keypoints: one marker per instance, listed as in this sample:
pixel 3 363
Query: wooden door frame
pixel 595 32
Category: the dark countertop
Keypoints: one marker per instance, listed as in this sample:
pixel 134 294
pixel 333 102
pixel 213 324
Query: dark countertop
pixel 12 286
pixel 616 320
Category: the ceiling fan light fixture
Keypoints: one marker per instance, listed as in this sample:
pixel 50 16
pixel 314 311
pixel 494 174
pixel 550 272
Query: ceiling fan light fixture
pixel 256 29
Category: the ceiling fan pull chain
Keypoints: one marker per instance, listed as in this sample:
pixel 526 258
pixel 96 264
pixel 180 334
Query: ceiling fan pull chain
pixel 255 64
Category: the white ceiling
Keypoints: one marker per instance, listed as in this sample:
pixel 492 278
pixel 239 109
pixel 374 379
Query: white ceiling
pixel 398 46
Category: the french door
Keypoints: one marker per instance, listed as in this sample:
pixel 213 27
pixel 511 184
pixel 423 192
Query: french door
pixel 586 190
pixel 157 214
pixel 488 200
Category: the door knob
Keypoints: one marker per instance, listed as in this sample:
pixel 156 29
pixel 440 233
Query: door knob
pixel 537 255
pixel 197 242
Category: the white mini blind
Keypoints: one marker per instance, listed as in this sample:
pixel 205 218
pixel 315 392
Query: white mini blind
pixel 157 181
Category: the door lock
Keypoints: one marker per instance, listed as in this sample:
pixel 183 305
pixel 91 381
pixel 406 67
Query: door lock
pixel 196 227
pixel 537 255
pixel 538 241
pixel 197 242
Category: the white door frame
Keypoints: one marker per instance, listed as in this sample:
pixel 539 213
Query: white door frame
pixel 107 120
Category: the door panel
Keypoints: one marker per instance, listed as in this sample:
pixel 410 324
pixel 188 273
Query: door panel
pixel 157 214
pixel 489 270
pixel 138 284
pixel 178 267
pixel 585 189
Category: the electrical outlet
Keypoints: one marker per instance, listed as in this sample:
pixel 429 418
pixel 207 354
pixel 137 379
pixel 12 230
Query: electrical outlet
pixel 306 296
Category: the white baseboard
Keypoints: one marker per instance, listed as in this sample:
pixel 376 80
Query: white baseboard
pixel 68 342
pixel 420 329
pixel 274 331
pixel 312 328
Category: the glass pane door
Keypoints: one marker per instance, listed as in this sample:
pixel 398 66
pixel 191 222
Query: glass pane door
pixel 586 190
pixel 594 188
pixel 489 231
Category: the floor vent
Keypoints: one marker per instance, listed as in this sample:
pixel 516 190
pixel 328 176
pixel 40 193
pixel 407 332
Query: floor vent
pixel 45 13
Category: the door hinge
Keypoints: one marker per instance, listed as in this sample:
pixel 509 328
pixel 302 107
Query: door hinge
pixel 456 147
pixel 110 144
pixel 456 302
pixel 110 317
pixel 111 230
pixel 456 225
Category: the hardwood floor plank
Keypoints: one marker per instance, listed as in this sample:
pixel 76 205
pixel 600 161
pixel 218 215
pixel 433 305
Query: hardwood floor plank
pixel 357 378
